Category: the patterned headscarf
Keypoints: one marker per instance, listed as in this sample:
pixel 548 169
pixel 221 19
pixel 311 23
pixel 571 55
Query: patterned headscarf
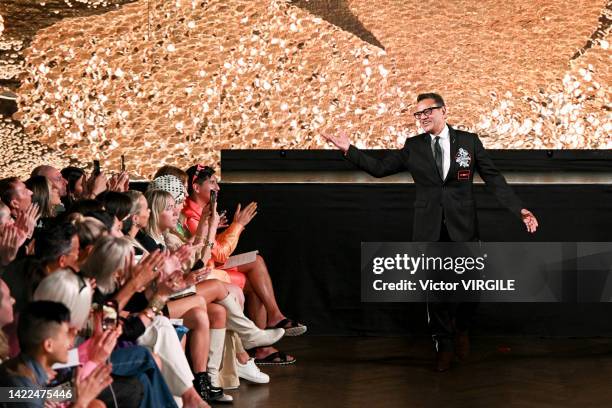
pixel 172 185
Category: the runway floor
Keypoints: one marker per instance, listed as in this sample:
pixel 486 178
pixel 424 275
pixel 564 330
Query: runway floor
pixel 396 372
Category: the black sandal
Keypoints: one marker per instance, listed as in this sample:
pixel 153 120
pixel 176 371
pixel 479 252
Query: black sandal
pixel 276 358
pixel 292 328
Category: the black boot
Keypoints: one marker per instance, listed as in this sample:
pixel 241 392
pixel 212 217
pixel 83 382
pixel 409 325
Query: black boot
pixel 202 384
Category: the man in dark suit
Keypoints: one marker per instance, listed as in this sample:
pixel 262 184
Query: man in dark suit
pixel 442 162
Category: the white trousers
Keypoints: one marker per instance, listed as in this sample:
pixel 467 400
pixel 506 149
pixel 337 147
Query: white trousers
pixel 161 338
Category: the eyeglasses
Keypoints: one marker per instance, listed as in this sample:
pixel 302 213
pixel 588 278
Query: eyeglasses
pixel 426 112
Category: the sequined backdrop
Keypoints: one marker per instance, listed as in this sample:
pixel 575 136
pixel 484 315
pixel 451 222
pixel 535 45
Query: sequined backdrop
pixel 177 81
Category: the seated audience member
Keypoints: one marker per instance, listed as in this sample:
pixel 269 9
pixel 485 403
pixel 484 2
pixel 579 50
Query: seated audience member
pixel 139 217
pixel 163 217
pixel 107 264
pixel 116 204
pixel 81 187
pixel 137 220
pixel 76 185
pixel 56 247
pixel 162 220
pixel 45 195
pixel 15 194
pixel 176 188
pixel 88 229
pixel 45 339
pixel 172 171
pixel 242 366
pixel 253 277
pixel 11 237
pixel 111 222
pixel 6 318
pixel 75 292
pixel 54 176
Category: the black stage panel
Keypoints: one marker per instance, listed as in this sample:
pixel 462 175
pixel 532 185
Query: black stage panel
pixel 315 210
pixel 310 235
pixel 506 160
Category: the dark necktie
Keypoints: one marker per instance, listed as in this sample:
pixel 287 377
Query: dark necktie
pixel 438 157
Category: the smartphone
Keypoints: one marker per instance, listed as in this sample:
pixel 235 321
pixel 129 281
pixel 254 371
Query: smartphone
pixel 110 314
pixel 62 376
pixel 96 168
pixel 122 163
pixel 213 198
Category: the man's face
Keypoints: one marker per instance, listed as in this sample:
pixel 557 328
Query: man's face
pixel 60 344
pixel 54 195
pixel 71 259
pixel 56 178
pixel 203 190
pixel 22 196
pixel 436 119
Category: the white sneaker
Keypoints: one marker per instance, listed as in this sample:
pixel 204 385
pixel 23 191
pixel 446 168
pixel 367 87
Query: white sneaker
pixel 251 372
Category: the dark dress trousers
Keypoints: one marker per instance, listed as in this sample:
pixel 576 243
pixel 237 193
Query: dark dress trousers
pixel 451 200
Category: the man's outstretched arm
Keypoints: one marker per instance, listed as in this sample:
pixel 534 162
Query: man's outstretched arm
pixel 391 163
pixel 500 188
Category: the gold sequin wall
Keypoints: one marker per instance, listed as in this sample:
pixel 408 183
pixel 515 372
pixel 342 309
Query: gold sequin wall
pixel 174 82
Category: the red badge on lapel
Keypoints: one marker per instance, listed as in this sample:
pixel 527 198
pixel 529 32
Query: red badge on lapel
pixel 463 175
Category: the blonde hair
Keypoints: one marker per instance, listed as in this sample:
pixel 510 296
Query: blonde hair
pixel 158 200
pixel 134 195
pixel 108 255
pixel 67 287
pixel 89 229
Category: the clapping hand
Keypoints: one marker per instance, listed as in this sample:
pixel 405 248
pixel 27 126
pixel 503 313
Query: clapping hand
pixel 172 283
pixel 198 276
pixel 11 239
pixel 243 217
pixel 26 220
pixel 145 271
pixel 223 222
pixel 90 387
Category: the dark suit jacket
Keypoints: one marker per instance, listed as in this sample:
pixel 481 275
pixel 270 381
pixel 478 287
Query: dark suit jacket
pixel 436 199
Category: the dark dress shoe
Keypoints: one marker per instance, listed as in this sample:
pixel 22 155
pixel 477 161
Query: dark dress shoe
pixel 443 361
pixel 462 345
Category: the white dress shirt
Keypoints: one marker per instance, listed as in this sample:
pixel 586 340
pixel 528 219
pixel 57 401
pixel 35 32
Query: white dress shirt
pixel 445 146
